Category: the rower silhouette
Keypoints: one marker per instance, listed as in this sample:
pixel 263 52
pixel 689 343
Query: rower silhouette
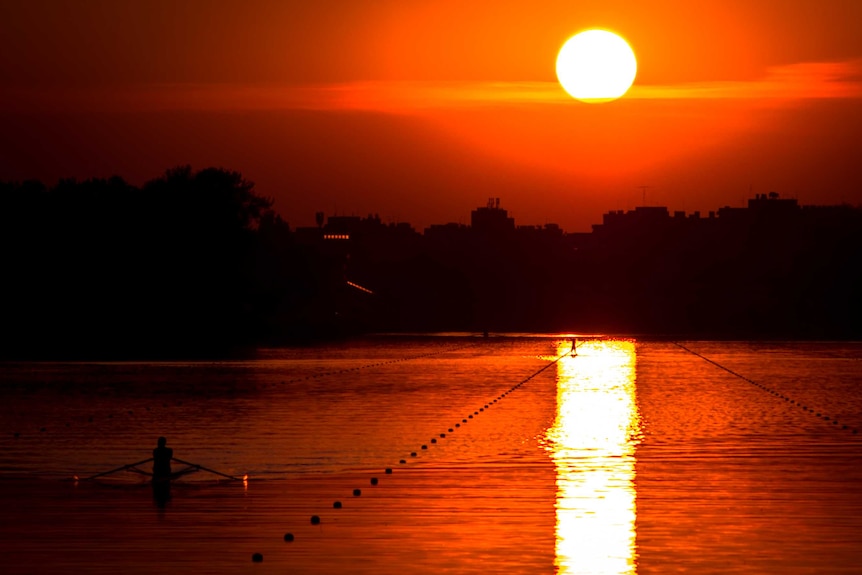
pixel 162 456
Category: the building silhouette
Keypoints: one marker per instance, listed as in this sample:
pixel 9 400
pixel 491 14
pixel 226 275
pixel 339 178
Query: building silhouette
pixel 770 269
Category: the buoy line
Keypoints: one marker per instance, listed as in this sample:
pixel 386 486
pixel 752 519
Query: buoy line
pixel 289 537
pixel 773 392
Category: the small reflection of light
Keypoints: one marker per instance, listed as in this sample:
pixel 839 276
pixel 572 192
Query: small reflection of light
pixel 245 481
pixel 360 288
pixel 592 443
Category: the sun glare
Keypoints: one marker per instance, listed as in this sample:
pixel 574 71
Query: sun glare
pixel 592 443
pixel 596 66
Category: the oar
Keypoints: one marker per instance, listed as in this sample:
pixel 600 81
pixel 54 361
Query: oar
pixel 202 468
pixel 186 471
pixel 121 468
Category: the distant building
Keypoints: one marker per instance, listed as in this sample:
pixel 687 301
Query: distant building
pixel 447 234
pixel 350 236
pixel 762 205
pixel 640 218
pixel 491 219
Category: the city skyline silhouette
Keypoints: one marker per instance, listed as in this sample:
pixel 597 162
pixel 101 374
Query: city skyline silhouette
pixel 199 263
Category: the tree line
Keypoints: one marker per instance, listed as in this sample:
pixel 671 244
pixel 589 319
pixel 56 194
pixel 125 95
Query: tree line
pixel 190 263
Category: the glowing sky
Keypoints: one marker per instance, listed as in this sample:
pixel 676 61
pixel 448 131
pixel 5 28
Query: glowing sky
pixel 420 110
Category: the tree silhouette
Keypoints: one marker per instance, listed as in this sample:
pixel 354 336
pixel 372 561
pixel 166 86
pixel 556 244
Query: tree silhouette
pixel 101 267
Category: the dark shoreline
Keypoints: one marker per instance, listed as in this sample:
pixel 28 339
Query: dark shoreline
pixel 252 351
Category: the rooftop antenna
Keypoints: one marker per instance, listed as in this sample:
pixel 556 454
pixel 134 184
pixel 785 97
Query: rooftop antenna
pixel 643 190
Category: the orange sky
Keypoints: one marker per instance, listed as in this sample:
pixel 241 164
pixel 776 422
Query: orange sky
pixel 420 110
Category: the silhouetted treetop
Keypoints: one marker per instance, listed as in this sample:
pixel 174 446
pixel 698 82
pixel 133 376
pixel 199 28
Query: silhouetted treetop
pixel 215 194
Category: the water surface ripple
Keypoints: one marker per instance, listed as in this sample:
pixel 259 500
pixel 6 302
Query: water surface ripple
pixel 628 457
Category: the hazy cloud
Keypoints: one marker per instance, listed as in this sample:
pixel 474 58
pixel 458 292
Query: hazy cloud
pixel 808 80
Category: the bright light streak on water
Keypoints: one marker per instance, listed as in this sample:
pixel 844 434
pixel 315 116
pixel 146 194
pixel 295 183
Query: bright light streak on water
pixel 592 443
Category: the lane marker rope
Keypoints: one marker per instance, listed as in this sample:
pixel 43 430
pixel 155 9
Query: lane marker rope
pixel 771 391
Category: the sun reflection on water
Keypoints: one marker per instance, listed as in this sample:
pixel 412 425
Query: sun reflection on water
pixel 592 443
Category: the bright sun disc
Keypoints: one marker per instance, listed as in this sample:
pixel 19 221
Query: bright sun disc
pixel 596 66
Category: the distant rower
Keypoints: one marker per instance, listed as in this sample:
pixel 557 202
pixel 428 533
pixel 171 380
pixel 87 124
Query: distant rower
pixel 162 456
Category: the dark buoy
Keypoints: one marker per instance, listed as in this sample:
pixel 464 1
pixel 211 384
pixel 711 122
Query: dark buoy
pixel 288 537
pixel 357 492
pixel 374 481
pixel 451 430
pixel 257 558
pixel 443 434
pixel 336 505
pixel 402 461
pixel 434 440
pixel 389 471
pixel 424 447
pixel 412 454
pixel 315 520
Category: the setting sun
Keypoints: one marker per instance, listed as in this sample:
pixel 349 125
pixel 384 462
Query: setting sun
pixel 596 66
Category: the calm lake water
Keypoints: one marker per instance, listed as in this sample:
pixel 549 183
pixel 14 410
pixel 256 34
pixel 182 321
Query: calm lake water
pixel 628 457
